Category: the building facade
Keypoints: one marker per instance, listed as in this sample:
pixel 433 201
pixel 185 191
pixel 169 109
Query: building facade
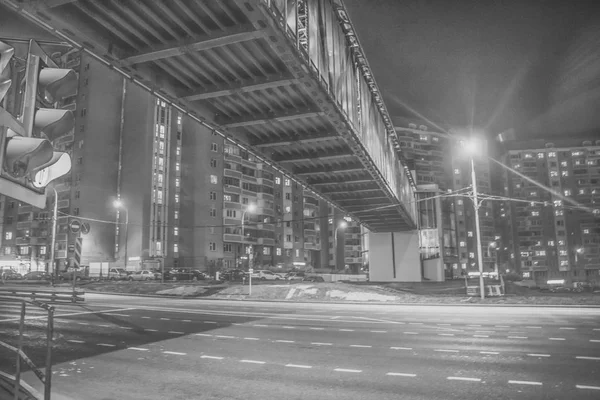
pixel 553 227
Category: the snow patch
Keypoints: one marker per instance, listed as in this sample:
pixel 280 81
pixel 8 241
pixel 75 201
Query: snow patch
pixel 183 291
pixel 359 296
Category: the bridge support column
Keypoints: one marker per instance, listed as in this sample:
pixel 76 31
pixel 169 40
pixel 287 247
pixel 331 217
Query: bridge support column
pixel 394 257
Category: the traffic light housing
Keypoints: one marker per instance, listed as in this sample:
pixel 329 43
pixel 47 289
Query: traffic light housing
pixel 27 157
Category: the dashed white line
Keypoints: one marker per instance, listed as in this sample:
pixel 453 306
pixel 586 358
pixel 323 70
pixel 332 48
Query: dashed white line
pixel 348 370
pixel 474 326
pixel 462 378
pixel 567 328
pixel 251 338
pixel 252 362
pixel 481 336
pixel 186 320
pixel 502 326
pixel 176 333
pixel 151 330
pixel 346 330
pixel 445 334
pixel 298 366
pixel 415 323
pixel 410 333
pixel 288 327
pixel 124 327
pixel 587 387
pixel 517 337
pixel 446 351
pixel 401 348
pixel 594 340
pixel 203 334
pixel 596 329
pixel 321 344
pixel 538 355
pixel 75 341
pixel 260 325
pixel 137 348
pixel 145 317
pixel 175 353
pixel 224 336
pixel 401 374
pixel 165 319
pixel 489 352
pixel 378 331
pixel 525 383
pixel 556 338
pixel 212 357
pixel 105 325
pixel 360 345
pixel 284 341
pixel 588 358
pixel 83 323
pixel 119 315
pixel 209 322
pixel 105 344
pixel 316 329
pixel 484 331
pixel 534 327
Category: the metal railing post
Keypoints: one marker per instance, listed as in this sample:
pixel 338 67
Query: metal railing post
pixel 19 349
pixel 49 336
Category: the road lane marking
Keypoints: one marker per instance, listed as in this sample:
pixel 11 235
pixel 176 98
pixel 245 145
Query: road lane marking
pixel 71 314
pixel 288 327
pixel 119 315
pixel 567 328
pixel 538 355
pixel 137 348
pixel 502 326
pixel 378 331
pixel 165 319
pixel 534 327
pixel 298 366
pixel 105 326
pixel 446 350
pixel 321 344
pixel 209 322
pixel 489 352
pixel 517 337
pixel 588 358
pixel 475 326
pixel 284 341
pixel 151 330
pixel 251 338
pixel 260 325
pixel 410 333
pixel 124 327
pixel 252 362
pixel 525 383
pixel 316 329
pixel 176 333
pixel 401 374
pixel 597 329
pixel 75 341
pixel 83 323
pixel 462 378
pixel 444 324
pixel 212 357
pixel 445 334
pixel 516 332
pixel 360 345
pixel 225 336
pixel 481 336
pixel 415 323
pixel 484 331
pixel 401 348
pixel 356 371
pixel 587 387
pixel 346 330
pixel 186 320
pixel 145 317
pixel 105 345
pixel 594 340
pixel 175 353
pixel 203 334
pixel 556 338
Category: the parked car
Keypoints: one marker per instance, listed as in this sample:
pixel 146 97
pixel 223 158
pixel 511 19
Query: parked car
pixel 185 274
pixel 115 274
pixel 144 275
pixel 68 274
pixel 233 275
pixel 295 276
pixel 266 275
pixel 37 276
pixel 10 274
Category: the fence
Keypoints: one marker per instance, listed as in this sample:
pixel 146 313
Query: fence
pixel 44 377
pixel 48 295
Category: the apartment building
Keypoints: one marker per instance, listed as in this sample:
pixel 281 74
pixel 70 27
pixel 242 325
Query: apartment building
pixel 183 190
pixel 553 227
pixel 346 243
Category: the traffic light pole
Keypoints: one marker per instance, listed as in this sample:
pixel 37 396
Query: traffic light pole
pixel 53 242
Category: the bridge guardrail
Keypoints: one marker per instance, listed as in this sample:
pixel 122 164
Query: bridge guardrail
pixel 49 295
pixel 22 390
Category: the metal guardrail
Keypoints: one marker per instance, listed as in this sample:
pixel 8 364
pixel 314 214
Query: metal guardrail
pixel 44 377
pixel 48 295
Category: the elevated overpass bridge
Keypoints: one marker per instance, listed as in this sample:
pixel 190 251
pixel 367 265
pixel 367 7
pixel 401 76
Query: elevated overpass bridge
pixel 285 79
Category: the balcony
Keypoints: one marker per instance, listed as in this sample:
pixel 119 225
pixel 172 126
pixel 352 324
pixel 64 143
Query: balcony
pixel 266 227
pixel 353 260
pixel 232 206
pixel 232 157
pixel 352 248
pixel 228 237
pixel 265 181
pixel 312 246
pixel 265 196
pixel 266 241
pixel 231 189
pixel 249 178
pixel 232 173
pixel 23 240
pixel 61 254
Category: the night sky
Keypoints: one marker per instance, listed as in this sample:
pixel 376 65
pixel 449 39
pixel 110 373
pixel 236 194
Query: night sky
pixel 531 65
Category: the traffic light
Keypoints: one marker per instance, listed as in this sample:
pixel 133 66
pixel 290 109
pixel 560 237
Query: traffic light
pixel 29 161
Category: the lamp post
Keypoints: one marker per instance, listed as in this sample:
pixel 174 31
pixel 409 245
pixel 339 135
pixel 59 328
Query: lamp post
pixel 119 205
pixel 471 147
pixel 343 224
pixel 250 208
pixel 578 251
pixel 54 271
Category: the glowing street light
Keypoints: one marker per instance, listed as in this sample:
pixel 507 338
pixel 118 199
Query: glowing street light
pixel 342 225
pixel 119 205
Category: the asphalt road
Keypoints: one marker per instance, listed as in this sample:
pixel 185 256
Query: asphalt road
pixel 117 347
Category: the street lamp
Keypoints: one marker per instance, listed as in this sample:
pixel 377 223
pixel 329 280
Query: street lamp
pixel 471 147
pixel 342 225
pixel 578 252
pixel 119 205
pixel 251 208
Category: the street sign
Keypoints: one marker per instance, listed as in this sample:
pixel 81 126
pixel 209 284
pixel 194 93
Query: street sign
pixel 75 225
pixel 77 258
pixel 85 228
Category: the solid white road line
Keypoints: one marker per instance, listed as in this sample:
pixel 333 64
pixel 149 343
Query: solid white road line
pixel 556 338
pixel 587 387
pixel 212 357
pixel 176 333
pixel 360 345
pixel 446 350
pixel 534 327
pixel 474 326
pixel 298 366
pixel 119 315
pixel 489 352
pixel 538 355
pixel 251 338
pixel 186 320
pixel 461 378
pixel 401 348
pixel 348 370
pixel 502 326
pixel 378 331
pixel 588 358
pixel 252 362
pixel 75 341
pixel 83 323
pixel 525 383
pixel 105 345
pixel 175 353
pixel 145 317
pixel 401 374
pixel 284 341
pixel 137 348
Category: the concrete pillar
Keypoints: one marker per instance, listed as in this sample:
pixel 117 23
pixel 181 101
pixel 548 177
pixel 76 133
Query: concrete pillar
pixel 394 257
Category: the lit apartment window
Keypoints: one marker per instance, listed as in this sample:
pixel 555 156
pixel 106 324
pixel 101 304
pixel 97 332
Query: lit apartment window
pixel 463 265
pixel 562 252
pixel 540 155
pixel 297 253
pixel 266 251
pixel 24 250
pixel 226 197
pixel 212 246
pixel 175 231
pixel 517 166
pixel 561 242
pixel 214 147
pixel 576 153
pixel 161 129
pixel 176 166
pixel 175 248
pixel 176 198
pixel 586 231
pixel 277 180
pixel 535 213
pixel 288 182
pixel 178 151
pixel 456 171
pixel 540 253
pixel 179 120
pixel 581 191
pixel 7 251
pixel 459 202
pixel 162 104
pixel 578 162
pixel 423 138
pixel 557 203
pixel 524 254
pixel 288 209
pixel 550 242
pixel 161 147
pixel 176 214
pixel 161 163
pixel 567 192
pixel 176 182
pixel 8 236
pixel 463 244
pixel 563 163
pixel 159 197
pixel 528 155
pixel 564 263
pixel 554 174
pixel 213 179
pixel 471 255
pixel 435 139
pixel 470 233
pixel 278 251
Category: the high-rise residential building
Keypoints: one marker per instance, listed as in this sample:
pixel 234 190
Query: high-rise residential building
pixel 552 228
pixel 184 191
pixel 345 239
pixel 446 219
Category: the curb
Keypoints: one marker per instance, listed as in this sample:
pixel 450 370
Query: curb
pixel 350 302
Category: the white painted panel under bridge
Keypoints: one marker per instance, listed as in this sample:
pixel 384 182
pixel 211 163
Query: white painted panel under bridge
pixel 399 262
